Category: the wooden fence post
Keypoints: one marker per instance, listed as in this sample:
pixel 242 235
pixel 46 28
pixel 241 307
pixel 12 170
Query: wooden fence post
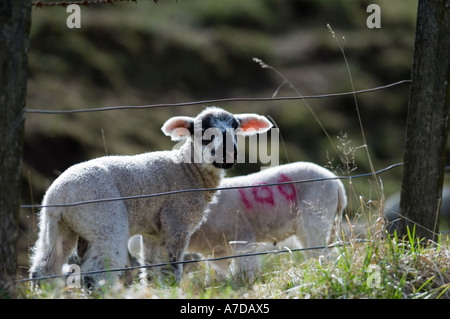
pixel 15 22
pixel 426 132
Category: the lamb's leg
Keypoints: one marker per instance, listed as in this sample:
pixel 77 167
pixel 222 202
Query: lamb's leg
pixel 151 252
pixel 313 232
pixel 176 232
pixel 107 240
pixel 53 247
pixel 245 268
pixel 103 255
pixel 168 246
pixel 175 245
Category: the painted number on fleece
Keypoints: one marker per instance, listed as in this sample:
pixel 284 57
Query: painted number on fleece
pixel 265 194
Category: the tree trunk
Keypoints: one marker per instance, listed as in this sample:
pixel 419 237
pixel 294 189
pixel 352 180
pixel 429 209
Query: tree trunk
pixel 426 131
pixel 15 21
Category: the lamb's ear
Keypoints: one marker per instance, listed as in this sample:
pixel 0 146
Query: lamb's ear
pixel 178 127
pixel 253 123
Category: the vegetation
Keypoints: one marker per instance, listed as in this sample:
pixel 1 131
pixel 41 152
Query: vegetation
pixel 377 268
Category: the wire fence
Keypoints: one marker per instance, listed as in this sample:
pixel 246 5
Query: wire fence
pixel 41 4
pixel 205 260
pixel 190 261
pixel 213 101
pixel 254 254
pixel 101 200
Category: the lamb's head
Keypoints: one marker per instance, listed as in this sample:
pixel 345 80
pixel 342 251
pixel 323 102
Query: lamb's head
pixel 212 134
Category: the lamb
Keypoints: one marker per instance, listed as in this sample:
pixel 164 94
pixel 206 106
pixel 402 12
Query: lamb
pixel 247 216
pixel 98 232
pixel 240 218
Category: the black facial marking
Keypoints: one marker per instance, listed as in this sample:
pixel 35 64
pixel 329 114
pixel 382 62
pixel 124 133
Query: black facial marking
pixel 226 123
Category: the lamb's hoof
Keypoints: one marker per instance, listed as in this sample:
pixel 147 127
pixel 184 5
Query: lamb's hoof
pixel 35 283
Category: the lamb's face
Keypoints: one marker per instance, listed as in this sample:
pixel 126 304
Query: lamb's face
pixel 218 138
pixel 213 134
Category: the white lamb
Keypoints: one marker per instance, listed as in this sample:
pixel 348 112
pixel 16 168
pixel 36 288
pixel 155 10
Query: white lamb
pixel 165 222
pixel 240 218
pixel 246 216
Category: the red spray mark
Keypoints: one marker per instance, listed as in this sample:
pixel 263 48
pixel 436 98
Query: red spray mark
pixel 247 203
pixel 265 194
pixel 287 190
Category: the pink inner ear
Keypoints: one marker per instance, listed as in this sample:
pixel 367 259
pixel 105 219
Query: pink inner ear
pixel 255 124
pixel 176 123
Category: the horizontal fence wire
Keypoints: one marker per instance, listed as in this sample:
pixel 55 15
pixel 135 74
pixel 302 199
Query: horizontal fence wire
pixel 95 201
pixel 190 261
pixel 212 101
pixel 41 4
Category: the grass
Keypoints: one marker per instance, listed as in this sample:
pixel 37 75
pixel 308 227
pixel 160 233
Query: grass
pixel 382 267
pixel 377 269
